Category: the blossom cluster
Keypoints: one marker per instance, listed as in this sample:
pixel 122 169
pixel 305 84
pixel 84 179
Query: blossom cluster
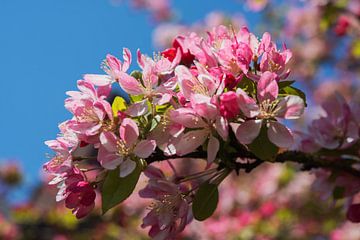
pixel 220 98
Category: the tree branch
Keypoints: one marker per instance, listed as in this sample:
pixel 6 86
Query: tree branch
pixel 308 161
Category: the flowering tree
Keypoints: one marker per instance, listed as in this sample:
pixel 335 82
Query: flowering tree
pixel 220 99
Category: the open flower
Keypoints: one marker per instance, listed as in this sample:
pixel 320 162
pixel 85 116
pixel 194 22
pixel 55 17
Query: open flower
pixel 204 118
pixel 170 212
pixel 81 198
pixel 121 151
pixel 268 108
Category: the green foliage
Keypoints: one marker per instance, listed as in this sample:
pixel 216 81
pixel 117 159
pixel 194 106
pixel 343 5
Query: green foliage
pixel 290 90
pixel 119 104
pixel 136 74
pixel 248 86
pixel 262 147
pixel 116 189
pixel 205 201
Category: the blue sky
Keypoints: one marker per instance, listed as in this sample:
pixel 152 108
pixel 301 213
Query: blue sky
pixel 46 45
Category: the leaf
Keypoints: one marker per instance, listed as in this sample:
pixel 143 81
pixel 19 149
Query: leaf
pixel 262 147
pixel 283 84
pixel 119 104
pixel 338 192
pixel 248 86
pixel 136 98
pixel 289 90
pixel 116 189
pixel 205 201
pixel 136 74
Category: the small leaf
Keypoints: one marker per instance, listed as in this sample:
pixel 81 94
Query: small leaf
pixel 136 74
pixel 116 189
pixel 119 104
pixel 289 90
pixel 248 86
pixel 338 192
pixel 262 147
pixel 136 98
pixel 205 201
pixel 283 84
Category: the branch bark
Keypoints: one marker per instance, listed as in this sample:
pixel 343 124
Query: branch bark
pixel 308 161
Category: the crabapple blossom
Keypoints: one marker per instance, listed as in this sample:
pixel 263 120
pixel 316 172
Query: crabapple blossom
pixel 180 105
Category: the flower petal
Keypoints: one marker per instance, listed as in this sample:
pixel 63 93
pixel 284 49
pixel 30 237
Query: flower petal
pixel 138 109
pixel 129 132
pixel 127 167
pixel 144 148
pixel 130 84
pixel 290 107
pixel 246 132
pixel 267 87
pixel 191 141
pixel 212 149
pixel 280 135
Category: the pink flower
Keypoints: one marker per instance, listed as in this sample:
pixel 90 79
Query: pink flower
pixel 269 108
pixel 62 161
pixel 337 128
pixel 203 116
pixel 113 68
pixel 227 107
pixel 80 197
pixel 204 83
pixel 171 212
pixel 121 151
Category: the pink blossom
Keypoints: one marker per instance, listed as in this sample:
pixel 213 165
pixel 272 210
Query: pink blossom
pixel 269 107
pixel 204 117
pixel 170 212
pixel 113 67
pixel 337 128
pixel 121 151
pixel 80 198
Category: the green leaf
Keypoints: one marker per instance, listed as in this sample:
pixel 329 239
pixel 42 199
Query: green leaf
pixel 119 104
pixel 289 90
pixel 285 84
pixel 262 147
pixel 248 86
pixel 136 74
pixel 116 189
pixel 136 98
pixel 205 201
pixel 338 192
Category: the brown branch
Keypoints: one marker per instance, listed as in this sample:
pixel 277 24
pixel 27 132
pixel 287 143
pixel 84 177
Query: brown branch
pixel 308 161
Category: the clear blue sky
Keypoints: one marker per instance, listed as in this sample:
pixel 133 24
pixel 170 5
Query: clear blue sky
pixel 46 45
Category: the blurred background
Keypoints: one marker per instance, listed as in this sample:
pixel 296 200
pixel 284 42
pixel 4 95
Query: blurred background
pixel 47 45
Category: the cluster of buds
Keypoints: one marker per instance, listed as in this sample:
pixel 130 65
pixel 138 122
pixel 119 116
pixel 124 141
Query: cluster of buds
pixel 219 98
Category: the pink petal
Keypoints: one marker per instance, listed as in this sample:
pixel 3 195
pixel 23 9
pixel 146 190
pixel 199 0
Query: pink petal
pixel 186 117
pixel 222 128
pixel 109 141
pixel 98 80
pixel 190 141
pixel 87 88
pixel 212 149
pixel 138 109
pixel 129 132
pixel 280 135
pixel 127 59
pixel 127 167
pixel 267 87
pixel 145 148
pixel 130 84
pixel 247 132
pixel 202 105
pixel 290 107
pixel 247 104
pixel 109 160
